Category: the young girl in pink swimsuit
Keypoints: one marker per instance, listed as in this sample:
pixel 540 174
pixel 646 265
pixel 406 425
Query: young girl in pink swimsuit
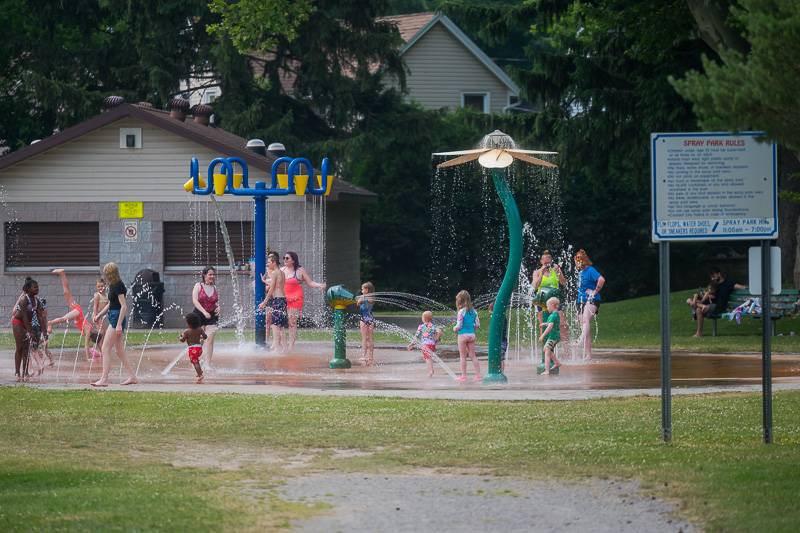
pixel 295 275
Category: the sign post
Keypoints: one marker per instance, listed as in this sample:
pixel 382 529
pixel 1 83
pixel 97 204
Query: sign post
pixel 710 187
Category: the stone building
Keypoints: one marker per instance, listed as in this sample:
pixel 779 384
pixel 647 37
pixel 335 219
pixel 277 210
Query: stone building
pixel 110 189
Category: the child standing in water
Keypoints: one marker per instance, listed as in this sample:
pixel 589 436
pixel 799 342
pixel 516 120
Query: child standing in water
pixel 552 334
pixel 99 302
pixel 426 337
pixel 194 337
pixel 366 323
pixel 467 322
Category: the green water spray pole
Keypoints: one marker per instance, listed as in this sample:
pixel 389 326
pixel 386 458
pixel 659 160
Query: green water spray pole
pixel 497 324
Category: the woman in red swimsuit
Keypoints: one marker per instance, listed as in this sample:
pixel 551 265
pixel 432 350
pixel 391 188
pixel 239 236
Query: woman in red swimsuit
pixel 206 306
pixel 295 276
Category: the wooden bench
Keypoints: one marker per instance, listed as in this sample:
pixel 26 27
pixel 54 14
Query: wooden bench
pixel 781 305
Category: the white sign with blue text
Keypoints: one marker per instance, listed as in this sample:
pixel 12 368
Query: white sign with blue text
pixel 713 186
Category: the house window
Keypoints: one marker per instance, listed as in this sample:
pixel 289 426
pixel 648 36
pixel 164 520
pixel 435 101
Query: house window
pixel 52 244
pixel 210 95
pixel 193 244
pixel 477 101
pixel 130 138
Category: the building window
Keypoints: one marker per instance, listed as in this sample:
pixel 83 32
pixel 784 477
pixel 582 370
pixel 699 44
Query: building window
pixel 210 95
pixel 130 138
pixel 52 244
pixel 193 244
pixel 477 101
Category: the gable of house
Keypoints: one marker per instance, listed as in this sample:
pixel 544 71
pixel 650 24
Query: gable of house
pixel 445 66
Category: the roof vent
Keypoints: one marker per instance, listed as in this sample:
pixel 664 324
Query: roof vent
pixel 112 101
pixel 178 107
pixel 201 113
pixel 257 146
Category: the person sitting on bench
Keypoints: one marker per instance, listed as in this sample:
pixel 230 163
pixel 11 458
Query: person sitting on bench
pixel 702 307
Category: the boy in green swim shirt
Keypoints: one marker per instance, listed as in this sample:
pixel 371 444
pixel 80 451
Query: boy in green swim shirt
pixel 552 334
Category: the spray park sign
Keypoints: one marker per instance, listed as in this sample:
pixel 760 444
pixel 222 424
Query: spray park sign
pixel 713 186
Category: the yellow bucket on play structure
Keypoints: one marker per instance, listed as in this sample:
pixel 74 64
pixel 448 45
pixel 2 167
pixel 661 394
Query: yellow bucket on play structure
pixel 237 181
pixel 189 185
pixel 220 181
pixel 283 181
pixel 330 183
pixel 300 184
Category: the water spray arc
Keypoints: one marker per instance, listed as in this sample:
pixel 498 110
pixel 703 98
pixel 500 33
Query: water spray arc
pixel 223 178
pixel 498 153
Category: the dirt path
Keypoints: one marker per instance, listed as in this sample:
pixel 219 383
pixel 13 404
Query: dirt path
pixel 460 503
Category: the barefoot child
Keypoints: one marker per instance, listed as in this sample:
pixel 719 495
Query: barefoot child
pixel 426 337
pixel 366 323
pixel 552 334
pixel 467 322
pixel 194 337
pixel 275 301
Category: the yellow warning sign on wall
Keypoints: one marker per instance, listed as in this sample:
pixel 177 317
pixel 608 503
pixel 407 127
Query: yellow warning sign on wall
pixel 131 210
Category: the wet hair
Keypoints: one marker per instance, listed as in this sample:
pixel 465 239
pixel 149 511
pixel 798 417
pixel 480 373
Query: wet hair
pixel 370 287
pixel 555 301
pixel 100 280
pixel 295 259
pixel 427 316
pixel 206 270
pixel 111 273
pixel 463 300
pixel 546 252
pixel 192 320
pixel 29 283
pixel 583 258
pixel 275 256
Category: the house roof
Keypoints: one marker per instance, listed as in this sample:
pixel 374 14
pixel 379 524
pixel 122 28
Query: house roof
pixel 215 139
pixel 414 26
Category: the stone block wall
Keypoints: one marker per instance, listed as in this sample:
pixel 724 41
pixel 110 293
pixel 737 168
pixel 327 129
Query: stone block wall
pixel 292 225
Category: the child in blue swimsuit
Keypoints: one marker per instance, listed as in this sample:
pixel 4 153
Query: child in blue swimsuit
pixel 366 324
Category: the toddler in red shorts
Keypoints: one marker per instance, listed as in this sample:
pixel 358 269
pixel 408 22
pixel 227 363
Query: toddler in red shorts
pixel 426 337
pixel 194 337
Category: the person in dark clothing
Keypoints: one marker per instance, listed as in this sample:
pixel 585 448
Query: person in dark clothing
pixel 702 307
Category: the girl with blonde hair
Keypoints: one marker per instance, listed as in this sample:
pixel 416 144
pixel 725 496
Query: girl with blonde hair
pixel 116 309
pixel 467 322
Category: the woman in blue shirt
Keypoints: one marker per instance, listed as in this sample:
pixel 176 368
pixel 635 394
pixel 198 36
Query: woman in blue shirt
pixel 588 298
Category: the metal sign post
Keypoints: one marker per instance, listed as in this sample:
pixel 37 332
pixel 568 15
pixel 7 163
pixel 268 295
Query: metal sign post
pixel 709 187
pixel 766 346
pixel 666 371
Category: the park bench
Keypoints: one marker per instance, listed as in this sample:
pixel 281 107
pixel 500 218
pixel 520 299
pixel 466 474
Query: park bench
pixel 781 305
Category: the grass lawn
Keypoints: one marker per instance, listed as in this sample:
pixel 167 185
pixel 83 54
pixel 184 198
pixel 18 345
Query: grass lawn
pixel 85 460
pixel 630 323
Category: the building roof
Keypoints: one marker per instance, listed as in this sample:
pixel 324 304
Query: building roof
pixel 215 139
pixel 414 26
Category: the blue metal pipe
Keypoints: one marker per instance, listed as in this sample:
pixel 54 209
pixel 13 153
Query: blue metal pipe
pixel 260 231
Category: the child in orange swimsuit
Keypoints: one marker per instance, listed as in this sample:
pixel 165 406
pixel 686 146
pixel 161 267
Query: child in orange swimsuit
pixel 75 314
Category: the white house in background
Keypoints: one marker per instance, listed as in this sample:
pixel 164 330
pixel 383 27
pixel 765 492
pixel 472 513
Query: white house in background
pixel 446 69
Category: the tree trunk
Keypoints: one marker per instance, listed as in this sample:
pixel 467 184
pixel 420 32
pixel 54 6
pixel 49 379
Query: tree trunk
pixel 711 17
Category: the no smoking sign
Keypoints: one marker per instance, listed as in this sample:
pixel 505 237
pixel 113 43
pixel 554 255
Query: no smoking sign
pixel 130 229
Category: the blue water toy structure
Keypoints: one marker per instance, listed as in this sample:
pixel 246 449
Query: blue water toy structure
pixel 223 178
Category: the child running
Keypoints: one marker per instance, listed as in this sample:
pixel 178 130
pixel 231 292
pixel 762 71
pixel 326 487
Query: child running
pixel 367 324
pixel 552 334
pixel 194 337
pixel 75 314
pixel 426 337
pixel 467 322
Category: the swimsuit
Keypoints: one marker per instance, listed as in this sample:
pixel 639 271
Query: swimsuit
pixel 294 292
pixel 195 351
pixel 365 308
pixel 80 320
pixel 466 319
pixel 427 334
pixel 278 315
pixel 209 304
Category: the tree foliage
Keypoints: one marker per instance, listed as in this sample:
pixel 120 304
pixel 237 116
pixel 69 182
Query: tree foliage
pixel 754 87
